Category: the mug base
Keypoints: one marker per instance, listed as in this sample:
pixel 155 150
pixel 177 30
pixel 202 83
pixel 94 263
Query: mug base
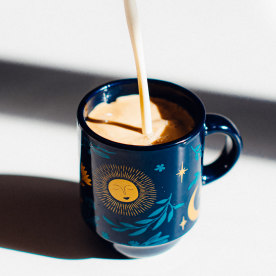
pixel 143 251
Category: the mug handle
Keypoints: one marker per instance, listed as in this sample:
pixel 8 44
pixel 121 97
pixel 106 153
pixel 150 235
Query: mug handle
pixel 231 151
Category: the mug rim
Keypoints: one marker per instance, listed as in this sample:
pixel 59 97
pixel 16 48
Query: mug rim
pixel 182 140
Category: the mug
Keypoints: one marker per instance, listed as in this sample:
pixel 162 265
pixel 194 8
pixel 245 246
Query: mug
pixel 144 198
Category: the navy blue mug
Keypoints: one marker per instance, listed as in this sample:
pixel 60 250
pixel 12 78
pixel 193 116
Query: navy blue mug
pixel 144 198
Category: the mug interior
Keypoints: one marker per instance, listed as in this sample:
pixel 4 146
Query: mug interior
pixel 160 89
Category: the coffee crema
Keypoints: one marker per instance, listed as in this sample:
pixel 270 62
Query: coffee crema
pixel 120 121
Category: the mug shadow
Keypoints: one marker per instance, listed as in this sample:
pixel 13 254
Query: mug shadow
pixel 50 94
pixel 42 216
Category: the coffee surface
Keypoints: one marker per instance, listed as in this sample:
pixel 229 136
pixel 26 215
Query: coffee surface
pixel 120 121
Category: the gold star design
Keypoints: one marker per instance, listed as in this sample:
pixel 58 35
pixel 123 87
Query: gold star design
pixel 183 223
pixel 181 172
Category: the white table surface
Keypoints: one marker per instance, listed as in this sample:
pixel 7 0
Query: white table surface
pixel 235 234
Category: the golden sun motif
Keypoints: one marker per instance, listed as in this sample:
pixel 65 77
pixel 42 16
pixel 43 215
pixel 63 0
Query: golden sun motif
pixel 124 190
pixel 85 180
pixel 182 171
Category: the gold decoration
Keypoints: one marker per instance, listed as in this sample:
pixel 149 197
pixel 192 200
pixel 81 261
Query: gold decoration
pixel 85 177
pixel 183 223
pixel 182 171
pixel 124 190
pixel 192 212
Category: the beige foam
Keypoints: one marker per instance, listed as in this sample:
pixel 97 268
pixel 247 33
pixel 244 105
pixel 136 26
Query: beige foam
pixel 120 121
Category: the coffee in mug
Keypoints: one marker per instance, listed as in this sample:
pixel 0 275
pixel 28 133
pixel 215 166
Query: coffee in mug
pixel 120 121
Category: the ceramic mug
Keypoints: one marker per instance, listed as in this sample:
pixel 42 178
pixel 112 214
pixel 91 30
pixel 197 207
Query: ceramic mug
pixel 159 185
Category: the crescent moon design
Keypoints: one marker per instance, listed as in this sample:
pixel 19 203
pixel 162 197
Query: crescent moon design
pixel 192 212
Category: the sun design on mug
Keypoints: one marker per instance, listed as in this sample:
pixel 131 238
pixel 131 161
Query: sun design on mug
pixel 124 190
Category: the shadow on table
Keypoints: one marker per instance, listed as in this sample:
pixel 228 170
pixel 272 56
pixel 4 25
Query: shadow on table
pixel 255 119
pixel 42 216
pixel 44 93
pixel 53 95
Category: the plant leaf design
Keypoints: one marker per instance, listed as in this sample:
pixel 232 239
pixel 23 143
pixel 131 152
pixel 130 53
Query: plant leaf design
pixel 162 201
pixel 105 150
pixel 159 242
pixel 170 215
pixel 127 225
pixel 119 229
pixel 155 237
pixel 134 243
pixel 139 232
pixel 198 151
pixel 160 221
pixel 154 240
pixel 164 237
pixel 144 221
pixel 155 220
pixel 197 174
pixel 101 153
pixel 178 206
pixel 109 221
pixel 156 212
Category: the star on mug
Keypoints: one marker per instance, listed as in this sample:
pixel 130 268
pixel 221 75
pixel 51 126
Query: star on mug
pixel 182 171
pixel 183 223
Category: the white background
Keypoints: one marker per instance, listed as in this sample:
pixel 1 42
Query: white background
pixel 226 47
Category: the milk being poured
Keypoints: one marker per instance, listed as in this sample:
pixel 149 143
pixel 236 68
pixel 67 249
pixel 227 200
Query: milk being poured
pixel 137 46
